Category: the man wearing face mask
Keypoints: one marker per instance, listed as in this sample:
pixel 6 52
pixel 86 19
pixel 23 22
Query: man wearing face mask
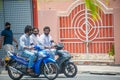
pixel 34 38
pixel 7 38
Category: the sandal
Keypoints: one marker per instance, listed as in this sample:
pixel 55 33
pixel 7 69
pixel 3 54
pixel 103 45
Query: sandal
pixel 30 71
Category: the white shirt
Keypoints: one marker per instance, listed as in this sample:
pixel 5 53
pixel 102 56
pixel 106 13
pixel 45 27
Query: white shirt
pixel 35 40
pixel 24 41
pixel 45 40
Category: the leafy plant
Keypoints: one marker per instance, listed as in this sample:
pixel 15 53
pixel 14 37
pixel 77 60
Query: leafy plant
pixel 112 51
pixel 91 4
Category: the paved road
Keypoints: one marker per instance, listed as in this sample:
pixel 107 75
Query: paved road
pixel 83 76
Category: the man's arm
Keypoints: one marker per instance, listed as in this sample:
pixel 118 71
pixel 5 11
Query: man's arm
pixel 22 44
pixel 41 39
pixel 52 41
pixel 2 37
pixel 1 40
pixel 31 40
pixel 15 42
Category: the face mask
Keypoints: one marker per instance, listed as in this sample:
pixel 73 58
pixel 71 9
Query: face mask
pixel 8 28
pixel 46 34
pixel 35 34
pixel 30 32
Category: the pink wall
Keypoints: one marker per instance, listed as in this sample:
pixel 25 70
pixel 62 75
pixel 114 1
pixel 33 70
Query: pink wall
pixel 47 15
pixel 116 6
pixel 55 5
pixel 49 18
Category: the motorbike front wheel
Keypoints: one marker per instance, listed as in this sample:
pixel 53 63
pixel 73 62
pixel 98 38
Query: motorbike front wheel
pixel 51 70
pixel 14 73
pixel 70 70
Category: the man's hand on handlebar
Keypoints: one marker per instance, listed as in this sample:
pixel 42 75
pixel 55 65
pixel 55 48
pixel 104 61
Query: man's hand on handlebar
pixel 49 47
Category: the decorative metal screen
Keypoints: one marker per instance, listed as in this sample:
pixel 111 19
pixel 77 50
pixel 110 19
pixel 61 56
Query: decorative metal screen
pixel 80 33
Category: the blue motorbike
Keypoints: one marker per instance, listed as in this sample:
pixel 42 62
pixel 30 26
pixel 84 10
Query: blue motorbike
pixel 17 66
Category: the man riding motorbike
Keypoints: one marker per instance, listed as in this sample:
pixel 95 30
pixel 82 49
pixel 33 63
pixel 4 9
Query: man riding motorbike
pixel 25 47
pixel 46 39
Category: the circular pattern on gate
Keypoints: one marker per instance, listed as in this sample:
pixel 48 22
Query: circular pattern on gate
pixel 85 27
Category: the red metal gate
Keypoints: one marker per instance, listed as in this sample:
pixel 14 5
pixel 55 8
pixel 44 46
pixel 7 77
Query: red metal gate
pixel 81 34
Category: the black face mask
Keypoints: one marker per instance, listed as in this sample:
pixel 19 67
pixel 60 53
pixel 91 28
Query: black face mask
pixel 8 28
pixel 35 34
pixel 30 33
pixel 46 34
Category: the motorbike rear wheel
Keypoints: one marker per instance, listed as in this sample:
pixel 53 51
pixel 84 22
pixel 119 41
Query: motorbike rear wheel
pixel 14 73
pixel 70 70
pixel 50 70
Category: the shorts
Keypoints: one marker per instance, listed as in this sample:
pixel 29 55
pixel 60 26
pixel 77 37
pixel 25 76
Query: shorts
pixel 8 47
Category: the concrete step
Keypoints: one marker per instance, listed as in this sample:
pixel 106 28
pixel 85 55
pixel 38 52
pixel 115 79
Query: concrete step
pixel 93 62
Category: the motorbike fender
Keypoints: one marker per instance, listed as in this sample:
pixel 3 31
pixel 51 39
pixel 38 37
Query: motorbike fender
pixel 37 67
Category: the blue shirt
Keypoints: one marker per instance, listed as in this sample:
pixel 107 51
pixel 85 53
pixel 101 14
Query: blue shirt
pixel 8 36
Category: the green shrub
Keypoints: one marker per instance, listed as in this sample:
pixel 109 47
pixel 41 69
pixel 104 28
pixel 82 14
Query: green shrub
pixel 111 52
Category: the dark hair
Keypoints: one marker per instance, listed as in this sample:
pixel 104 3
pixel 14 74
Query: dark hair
pixel 36 28
pixel 7 23
pixel 46 27
pixel 28 28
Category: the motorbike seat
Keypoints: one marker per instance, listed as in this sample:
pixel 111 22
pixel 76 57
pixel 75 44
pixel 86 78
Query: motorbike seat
pixel 23 57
